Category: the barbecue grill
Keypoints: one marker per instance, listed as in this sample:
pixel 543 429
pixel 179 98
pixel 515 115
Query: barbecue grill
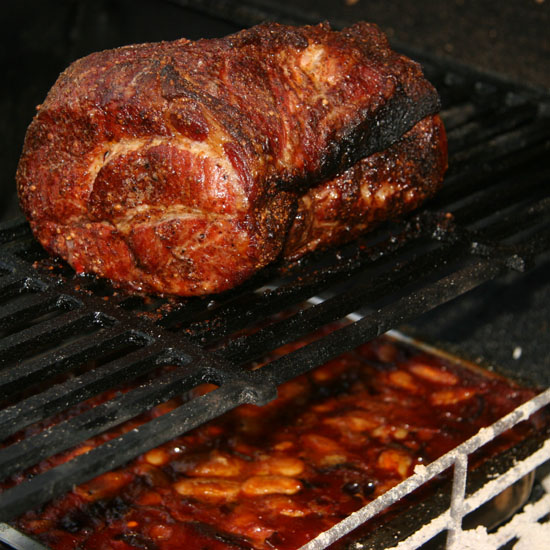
pixel 66 338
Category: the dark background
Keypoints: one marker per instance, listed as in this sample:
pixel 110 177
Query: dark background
pixel 507 38
pixel 41 38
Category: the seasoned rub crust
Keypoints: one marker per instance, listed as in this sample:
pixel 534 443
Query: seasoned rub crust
pixel 176 167
pixel 380 187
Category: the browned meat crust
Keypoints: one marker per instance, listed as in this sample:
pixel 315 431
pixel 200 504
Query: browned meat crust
pixel 176 167
pixel 380 187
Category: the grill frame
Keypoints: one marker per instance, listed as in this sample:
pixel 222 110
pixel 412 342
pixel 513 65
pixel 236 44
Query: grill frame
pixel 194 333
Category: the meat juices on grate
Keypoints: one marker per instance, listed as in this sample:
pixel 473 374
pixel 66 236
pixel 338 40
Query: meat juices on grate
pixel 179 167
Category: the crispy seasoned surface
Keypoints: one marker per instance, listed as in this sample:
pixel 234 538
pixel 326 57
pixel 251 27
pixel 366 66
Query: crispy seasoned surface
pixel 380 187
pixel 177 167
pixel 276 476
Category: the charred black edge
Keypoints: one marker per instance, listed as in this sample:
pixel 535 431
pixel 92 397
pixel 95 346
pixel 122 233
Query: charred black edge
pixel 376 133
pixel 392 121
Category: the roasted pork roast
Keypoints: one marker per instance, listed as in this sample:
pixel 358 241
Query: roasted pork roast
pixel 185 167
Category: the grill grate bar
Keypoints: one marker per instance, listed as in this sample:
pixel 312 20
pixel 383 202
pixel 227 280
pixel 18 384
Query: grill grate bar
pixel 484 128
pixel 534 214
pixel 461 114
pixel 452 93
pixel 13 284
pixel 499 146
pixel 16 540
pixel 538 243
pixel 78 389
pixel 100 418
pixel 238 314
pixel 467 181
pixel 364 292
pixel 13 231
pixel 513 193
pixel 27 308
pixel 85 349
pixel 17 346
pixel 25 247
pixel 282 290
pixel 118 451
pixel 376 323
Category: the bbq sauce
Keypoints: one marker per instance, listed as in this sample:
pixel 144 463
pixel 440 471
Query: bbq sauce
pixel 276 476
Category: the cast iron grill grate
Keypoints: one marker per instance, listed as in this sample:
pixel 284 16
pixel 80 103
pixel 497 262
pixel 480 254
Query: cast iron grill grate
pixel 65 339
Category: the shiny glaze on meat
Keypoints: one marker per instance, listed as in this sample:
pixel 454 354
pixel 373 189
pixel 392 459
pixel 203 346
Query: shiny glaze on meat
pixel 177 167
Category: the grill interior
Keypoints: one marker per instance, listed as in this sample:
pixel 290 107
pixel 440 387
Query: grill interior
pixel 65 338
